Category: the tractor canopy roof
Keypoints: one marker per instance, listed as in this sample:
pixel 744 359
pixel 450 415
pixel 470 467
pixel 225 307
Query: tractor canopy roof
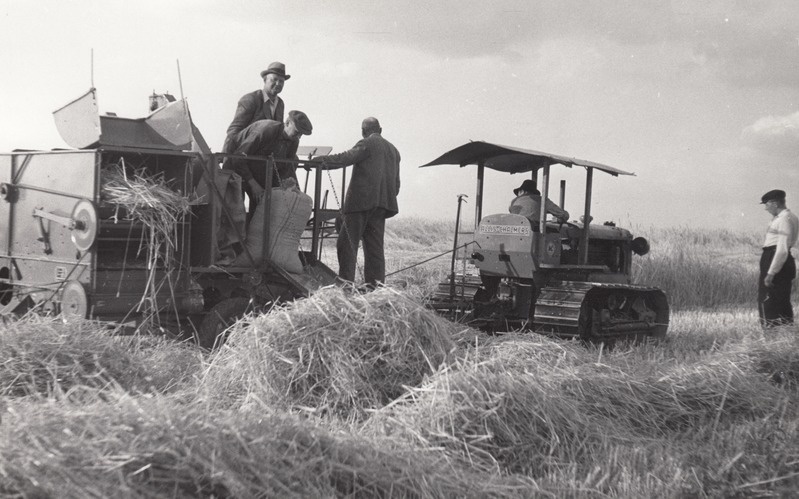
pixel 512 159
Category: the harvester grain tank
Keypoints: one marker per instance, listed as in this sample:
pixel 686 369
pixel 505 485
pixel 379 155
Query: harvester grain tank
pixel 567 279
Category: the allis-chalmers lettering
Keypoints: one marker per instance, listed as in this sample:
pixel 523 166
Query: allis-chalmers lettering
pixel 505 229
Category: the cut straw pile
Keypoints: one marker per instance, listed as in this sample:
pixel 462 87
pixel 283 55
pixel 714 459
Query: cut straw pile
pixel 333 353
pixel 407 412
pixel 531 406
pixel 45 357
pixel 779 359
pixel 154 448
pixel 147 199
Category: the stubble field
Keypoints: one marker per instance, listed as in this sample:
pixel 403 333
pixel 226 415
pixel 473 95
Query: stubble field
pixel 349 395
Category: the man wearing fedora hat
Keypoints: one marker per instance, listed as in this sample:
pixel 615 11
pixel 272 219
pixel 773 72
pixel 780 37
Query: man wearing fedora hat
pixel 262 104
pixel 777 266
pixel 268 138
pixel 528 204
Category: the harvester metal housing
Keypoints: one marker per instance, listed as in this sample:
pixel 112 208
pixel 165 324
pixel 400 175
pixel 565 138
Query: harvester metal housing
pixel 65 250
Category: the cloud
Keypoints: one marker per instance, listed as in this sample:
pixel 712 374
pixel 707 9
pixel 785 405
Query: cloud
pixel 464 28
pixel 454 28
pixel 744 43
pixel 761 50
pixel 775 136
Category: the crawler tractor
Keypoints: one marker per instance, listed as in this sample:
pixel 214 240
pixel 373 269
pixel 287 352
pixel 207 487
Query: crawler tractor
pixel 65 250
pixel 569 280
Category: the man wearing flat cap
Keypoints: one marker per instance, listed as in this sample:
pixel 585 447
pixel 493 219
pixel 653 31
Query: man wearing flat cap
pixel 265 138
pixel 371 199
pixel 777 266
pixel 263 104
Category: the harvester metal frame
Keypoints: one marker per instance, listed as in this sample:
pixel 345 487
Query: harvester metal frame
pixel 65 269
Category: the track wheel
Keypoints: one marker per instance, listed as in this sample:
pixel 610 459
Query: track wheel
pixel 213 329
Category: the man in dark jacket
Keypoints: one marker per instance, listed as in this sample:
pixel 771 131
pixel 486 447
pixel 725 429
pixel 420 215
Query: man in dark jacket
pixel 265 138
pixel 262 104
pixel 371 198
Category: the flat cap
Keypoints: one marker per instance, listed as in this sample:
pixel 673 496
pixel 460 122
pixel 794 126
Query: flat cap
pixel 301 121
pixel 773 195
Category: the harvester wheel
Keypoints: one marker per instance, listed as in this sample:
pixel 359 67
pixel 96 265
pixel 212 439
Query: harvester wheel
pixel 74 302
pixel 213 329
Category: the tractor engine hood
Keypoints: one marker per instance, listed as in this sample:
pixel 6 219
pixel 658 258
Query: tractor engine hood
pixel 608 233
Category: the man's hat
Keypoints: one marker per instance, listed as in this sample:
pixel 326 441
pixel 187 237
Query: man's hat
pixel 277 68
pixel 775 195
pixel 301 121
pixel 528 185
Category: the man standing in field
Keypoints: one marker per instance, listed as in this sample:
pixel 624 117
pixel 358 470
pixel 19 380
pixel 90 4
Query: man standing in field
pixel 371 199
pixel 777 266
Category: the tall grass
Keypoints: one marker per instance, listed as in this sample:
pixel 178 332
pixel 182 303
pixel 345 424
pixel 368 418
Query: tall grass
pixel 419 234
pixel 701 268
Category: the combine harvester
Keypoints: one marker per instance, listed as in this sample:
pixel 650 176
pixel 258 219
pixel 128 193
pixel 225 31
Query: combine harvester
pixel 65 249
pixel 570 280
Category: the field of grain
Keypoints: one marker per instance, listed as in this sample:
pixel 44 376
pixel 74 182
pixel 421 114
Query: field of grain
pixel 372 395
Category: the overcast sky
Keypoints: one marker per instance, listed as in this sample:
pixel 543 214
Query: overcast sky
pixel 699 98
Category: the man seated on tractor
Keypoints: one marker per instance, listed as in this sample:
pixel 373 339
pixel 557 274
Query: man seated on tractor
pixel 528 204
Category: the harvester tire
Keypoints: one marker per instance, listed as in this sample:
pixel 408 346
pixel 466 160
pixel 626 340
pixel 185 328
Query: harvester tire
pixel 214 327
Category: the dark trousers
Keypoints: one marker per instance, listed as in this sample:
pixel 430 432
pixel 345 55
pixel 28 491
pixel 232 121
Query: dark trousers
pixel 253 201
pixel 236 165
pixel 367 226
pixel 774 303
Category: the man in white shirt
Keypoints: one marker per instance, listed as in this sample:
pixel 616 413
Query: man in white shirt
pixel 777 266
